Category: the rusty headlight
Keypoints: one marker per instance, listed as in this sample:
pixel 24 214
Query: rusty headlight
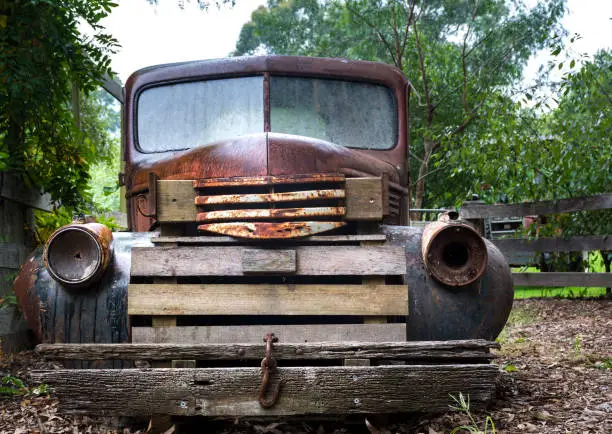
pixel 76 255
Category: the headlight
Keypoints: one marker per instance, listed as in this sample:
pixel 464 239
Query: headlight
pixel 76 255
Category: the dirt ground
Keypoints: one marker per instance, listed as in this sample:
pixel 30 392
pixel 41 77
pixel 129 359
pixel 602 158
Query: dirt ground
pixel 556 361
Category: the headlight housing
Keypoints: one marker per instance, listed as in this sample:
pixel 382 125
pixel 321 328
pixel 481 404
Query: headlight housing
pixel 76 255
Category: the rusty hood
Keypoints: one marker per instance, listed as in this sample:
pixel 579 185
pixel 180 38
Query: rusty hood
pixel 260 155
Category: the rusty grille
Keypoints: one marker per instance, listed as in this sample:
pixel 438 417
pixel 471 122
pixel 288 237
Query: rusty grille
pixel 271 206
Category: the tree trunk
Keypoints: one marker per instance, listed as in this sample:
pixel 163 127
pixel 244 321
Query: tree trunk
pixel 420 181
pixel 605 254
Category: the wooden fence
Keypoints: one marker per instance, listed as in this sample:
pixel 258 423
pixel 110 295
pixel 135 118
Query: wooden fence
pixel 522 251
pixel 17 203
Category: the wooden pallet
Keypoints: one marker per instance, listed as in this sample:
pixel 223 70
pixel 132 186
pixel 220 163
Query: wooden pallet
pixel 429 373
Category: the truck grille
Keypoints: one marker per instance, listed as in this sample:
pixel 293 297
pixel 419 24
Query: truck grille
pixel 271 206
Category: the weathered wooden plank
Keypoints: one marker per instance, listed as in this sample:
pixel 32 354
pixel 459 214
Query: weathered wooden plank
pixel 571 244
pixel 471 210
pixel 415 350
pixel 286 333
pixel 233 391
pixel 311 260
pixel 562 279
pixel 289 196
pixel 12 255
pixel 113 87
pixel 305 240
pixel 364 199
pixel 268 261
pixel 175 201
pixel 14 189
pixel 267 299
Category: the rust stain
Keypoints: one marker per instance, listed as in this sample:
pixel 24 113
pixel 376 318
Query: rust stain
pixel 268 180
pixel 292 196
pixel 453 252
pixel 266 230
pixel 24 287
pixel 102 236
pixel 256 214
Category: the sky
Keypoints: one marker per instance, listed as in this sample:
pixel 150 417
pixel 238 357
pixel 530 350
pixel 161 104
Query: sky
pixel 164 33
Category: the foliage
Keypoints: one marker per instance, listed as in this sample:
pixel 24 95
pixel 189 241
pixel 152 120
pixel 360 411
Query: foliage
pixel 10 385
pixel 45 64
pixel 459 55
pixel 463 405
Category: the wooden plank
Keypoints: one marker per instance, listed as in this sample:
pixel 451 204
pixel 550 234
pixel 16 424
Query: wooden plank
pixel 286 333
pixel 268 261
pixel 305 240
pixel 267 299
pixel 113 87
pixel 562 279
pixel 476 210
pixel 233 391
pixel 12 255
pixel 415 350
pixel 290 196
pixel 175 201
pixel 13 188
pixel 311 260
pixel 570 244
pixel 364 199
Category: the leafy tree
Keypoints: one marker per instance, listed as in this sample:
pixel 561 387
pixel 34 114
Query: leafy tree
pixel 45 64
pixel 458 54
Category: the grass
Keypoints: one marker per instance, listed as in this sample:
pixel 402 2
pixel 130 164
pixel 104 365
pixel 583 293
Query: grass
pixel 595 265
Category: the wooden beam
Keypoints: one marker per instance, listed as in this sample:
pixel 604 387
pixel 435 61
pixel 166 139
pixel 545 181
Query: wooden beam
pixel 477 210
pixel 563 279
pixel 426 350
pixel 14 189
pixel 286 333
pixel 571 244
pixel 274 261
pixel 306 240
pixel 311 261
pixel 364 199
pixel 175 202
pixel 267 299
pixel 233 391
pixel 113 87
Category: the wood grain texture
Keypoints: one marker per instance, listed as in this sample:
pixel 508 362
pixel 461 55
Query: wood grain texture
pixel 233 391
pixel 224 261
pixel 306 240
pixel 477 210
pixel 571 244
pixel 364 199
pixel 272 261
pixel 562 279
pixel 267 299
pixel 286 333
pixel 175 201
pixel 414 350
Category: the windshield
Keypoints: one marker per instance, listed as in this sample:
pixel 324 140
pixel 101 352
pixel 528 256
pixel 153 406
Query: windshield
pixel 351 114
pixel 185 115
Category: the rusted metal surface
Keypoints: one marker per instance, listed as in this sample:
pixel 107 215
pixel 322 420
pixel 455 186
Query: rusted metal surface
pixel 269 180
pixel 266 230
pixel 292 196
pixel 289 155
pixel 268 365
pixel 76 255
pixel 454 253
pixel 274 65
pixel 57 313
pixel 280 213
pixel 441 312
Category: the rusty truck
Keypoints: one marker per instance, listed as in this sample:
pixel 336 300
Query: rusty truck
pixel 268 268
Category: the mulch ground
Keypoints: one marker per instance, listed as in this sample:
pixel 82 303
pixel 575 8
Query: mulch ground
pixel 556 359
